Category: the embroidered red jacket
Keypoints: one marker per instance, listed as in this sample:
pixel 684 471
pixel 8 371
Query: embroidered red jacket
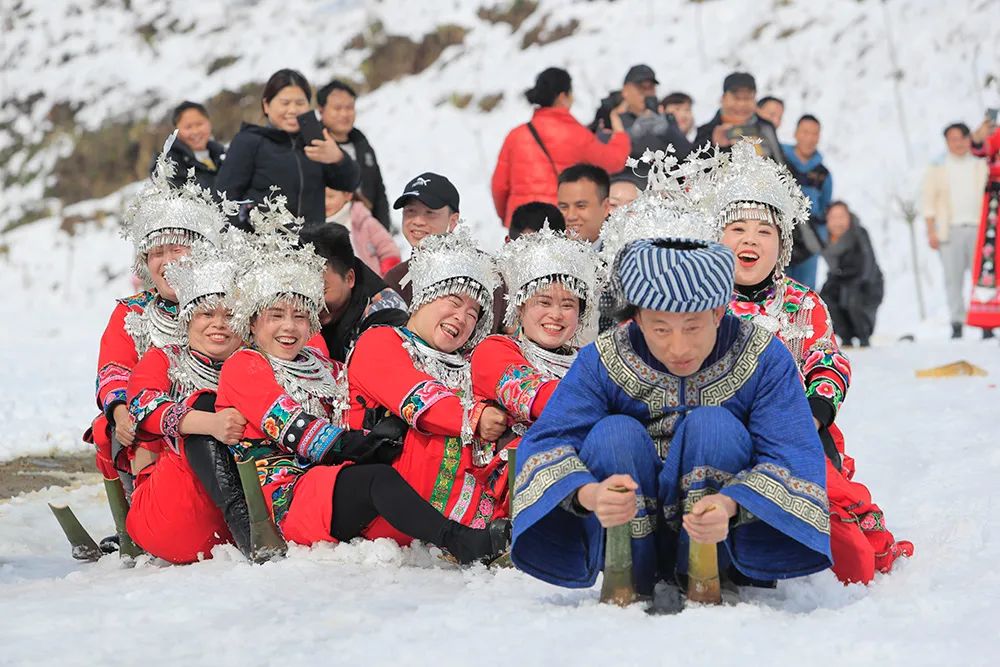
pixel 806 330
pixel 501 373
pixel 382 375
pixel 118 356
pixel 157 413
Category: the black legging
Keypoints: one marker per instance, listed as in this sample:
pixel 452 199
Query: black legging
pixel 366 491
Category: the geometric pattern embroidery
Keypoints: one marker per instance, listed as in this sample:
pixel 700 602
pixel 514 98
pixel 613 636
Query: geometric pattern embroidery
pixel 553 470
pixel 805 510
pixel 446 473
pixel 464 498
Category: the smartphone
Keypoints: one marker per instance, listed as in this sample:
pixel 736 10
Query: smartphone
pixel 310 128
pixel 736 131
pixel 992 114
pixel 652 104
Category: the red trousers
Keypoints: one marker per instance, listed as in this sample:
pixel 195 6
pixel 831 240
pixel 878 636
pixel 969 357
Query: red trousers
pixel 172 517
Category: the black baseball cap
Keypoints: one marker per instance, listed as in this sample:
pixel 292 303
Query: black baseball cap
pixel 433 190
pixel 739 81
pixel 640 73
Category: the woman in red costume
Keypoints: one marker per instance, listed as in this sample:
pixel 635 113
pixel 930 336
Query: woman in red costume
pixel 552 282
pixel 418 373
pixel 756 206
pixel 321 481
pixel 171 394
pixel 984 308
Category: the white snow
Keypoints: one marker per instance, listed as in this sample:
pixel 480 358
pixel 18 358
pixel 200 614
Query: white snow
pixel 926 448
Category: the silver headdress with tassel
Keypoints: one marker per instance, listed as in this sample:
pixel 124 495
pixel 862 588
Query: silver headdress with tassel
pixel 452 264
pixel 671 204
pixel 753 187
pixel 533 262
pixel 204 279
pixel 274 269
pixel 162 214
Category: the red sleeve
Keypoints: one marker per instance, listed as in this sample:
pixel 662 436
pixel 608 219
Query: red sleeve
pixel 155 413
pixel 827 372
pixel 247 383
pixel 500 185
pixel 990 147
pixel 115 361
pixel 609 156
pixel 502 374
pixel 381 370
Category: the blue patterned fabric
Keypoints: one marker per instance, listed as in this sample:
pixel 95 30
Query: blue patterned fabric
pixel 676 275
pixel 741 426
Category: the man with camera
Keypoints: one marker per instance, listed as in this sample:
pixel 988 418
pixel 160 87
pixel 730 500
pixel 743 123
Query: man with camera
pixel 638 108
pixel 737 117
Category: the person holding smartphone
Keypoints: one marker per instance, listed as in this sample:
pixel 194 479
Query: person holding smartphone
pixel 639 109
pixel 292 152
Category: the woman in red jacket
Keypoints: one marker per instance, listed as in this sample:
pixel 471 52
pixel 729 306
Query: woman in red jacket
pixel 553 295
pixel 534 154
pixel 417 372
pixel 321 481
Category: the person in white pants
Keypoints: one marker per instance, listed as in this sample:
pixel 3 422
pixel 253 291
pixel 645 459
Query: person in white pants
pixel 952 204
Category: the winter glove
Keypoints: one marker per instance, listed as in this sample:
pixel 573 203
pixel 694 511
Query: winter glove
pixel 380 445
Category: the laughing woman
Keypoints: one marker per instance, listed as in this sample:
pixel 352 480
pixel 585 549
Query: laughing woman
pixel 417 372
pixel 757 206
pixel 162 222
pixel 552 281
pixel 294 400
pixel 171 396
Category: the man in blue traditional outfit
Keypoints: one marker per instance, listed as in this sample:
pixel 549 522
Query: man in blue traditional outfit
pixel 688 409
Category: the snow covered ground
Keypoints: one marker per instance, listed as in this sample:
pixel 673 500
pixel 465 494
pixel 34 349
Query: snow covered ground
pixel 927 448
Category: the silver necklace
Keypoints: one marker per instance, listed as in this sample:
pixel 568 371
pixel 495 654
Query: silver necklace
pixel 153 327
pixel 453 371
pixel 312 385
pixel 553 365
pixel 188 373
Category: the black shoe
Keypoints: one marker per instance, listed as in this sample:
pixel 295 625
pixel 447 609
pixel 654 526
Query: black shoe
pixel 499 541
pixel 988 334
pixel 956 330
pixel 864 342
pixel 110 544
pixel 668 599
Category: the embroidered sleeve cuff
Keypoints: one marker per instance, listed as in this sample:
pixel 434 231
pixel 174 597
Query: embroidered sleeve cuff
pixel 517 389
pixel 279 417
pixel 477 413
pixel 312 439
pixel 111 382
pixel 419 399
pixel 112 400
pixel 145 404
pixel 826 389
pixel 170 422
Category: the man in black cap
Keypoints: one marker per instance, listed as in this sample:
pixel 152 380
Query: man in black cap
pixel 356 298
pixel 430 206
pixel 737 117
pixel 638 108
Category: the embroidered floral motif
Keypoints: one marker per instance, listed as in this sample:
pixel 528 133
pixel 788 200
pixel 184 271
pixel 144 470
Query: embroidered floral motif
pixel 140 300
pixel 170 423
pixel 278 417
pixel 146 404
pixel 113 375
pixel 113 397
pixel 484 512
pixel 419 399
pixel 517 389
pixel 824 388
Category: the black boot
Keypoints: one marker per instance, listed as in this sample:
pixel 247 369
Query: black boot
pixel 468 545
pixel 215 468
pixel 988 333
pixel 956 330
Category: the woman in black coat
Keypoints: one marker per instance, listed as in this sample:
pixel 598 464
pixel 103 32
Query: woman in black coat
pixel 261 157
pixel 854 287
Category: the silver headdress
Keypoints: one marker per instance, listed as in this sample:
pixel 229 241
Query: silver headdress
pixel 203 279
pixel 162 214
pixel 452 264
pixel 274 269
pixel 532 262
pixel 672 205
pixel 753 187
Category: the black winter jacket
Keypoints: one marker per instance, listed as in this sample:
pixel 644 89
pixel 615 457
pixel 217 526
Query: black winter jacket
pixel 372 303
pixel 261 157
pixel 184 159
pixel 372 185
pixel 758 127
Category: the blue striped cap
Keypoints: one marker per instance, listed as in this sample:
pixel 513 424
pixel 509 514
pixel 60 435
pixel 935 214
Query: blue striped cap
pixel 676 275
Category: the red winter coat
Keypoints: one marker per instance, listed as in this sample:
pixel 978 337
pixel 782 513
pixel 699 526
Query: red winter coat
pixel 523 174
